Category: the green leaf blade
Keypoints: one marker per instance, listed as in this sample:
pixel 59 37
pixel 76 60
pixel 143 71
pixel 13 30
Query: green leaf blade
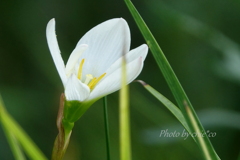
pixel 173 83
pixel 12 126
pixel 107 135
pixel 168 104
pixel 125 140
pixel 14 145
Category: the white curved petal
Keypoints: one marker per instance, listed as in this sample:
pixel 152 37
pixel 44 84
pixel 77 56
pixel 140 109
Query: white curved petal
pixel 74 57
pixel 107 42
pixel 76 90
pixel 140 51
pixel 55 51
pixel 113 82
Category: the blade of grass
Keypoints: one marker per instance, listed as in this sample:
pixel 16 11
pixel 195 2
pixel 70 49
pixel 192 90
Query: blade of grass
pixel 106 127
pixel 11 125
pixel 125 144
pixel 198 132
pixel 14 145
pixel 168 104
pixel 173 82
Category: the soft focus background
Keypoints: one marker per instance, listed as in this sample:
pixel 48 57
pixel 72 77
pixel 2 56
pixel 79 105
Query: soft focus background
pixel 200 39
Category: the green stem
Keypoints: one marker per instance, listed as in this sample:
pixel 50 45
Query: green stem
pixel 106 127
pixel 60 146
pixel 64 133
pixel 125 140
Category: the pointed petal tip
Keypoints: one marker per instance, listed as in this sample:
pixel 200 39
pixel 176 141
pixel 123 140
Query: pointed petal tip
pixel 146 48
pixel 118 20
pixel 51 23
pixel 122 19
pixel 145 45
pixel 53 19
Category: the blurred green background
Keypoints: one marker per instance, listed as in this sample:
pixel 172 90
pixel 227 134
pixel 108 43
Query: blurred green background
pixel 200 39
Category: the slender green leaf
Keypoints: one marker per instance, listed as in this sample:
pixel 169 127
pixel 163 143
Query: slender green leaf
pixel 16 149
pixel 125 142
pixel 28 145
pixel 168 104
pixel 198 132
pixel 173 83
pixel 106 127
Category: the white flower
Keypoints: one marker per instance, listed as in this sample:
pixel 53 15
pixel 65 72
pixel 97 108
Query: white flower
pixel 93 69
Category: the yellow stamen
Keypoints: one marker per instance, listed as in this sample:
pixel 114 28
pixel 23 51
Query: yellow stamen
pixel 92 81
pixel 89 77
pixel 93 84
pixel 80 69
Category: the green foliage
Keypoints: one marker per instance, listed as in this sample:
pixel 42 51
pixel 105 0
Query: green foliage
pixel 16 149
pixel 175 86
pixel 17 134
pixel 105 108
pixel 124 117
pixel 170 106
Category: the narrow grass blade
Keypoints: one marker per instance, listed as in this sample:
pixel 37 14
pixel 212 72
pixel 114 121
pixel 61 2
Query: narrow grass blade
pixel 106 127
pixel 198 132
pixel 28 145
pixel 173 83
pixel 15 147
pixel 168 104
pixel 125 140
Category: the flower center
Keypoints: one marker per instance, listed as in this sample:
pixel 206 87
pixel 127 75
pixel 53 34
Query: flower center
pixel 90 80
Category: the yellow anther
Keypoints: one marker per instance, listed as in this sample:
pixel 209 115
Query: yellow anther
pixel 89 77
pixel 80 69
pixel 93 84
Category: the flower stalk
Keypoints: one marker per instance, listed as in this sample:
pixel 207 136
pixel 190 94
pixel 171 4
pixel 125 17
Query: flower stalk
pixel 69 112
pixel 63 137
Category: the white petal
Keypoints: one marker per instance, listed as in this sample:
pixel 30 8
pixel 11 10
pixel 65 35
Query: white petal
pixel 55 51
pixel 76 90
pixel 112 82
pixel 140 51
pixel 74 57
pixel 107 42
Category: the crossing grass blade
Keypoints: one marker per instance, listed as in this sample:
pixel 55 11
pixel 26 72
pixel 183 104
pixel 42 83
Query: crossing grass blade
pixel 168 104
pixel 106 127
pixel 174 85
pixel 11 126
pixel 14 145
pixel 125 140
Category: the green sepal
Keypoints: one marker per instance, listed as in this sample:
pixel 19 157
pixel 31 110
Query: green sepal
pixel 73 110
pixel 69 112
